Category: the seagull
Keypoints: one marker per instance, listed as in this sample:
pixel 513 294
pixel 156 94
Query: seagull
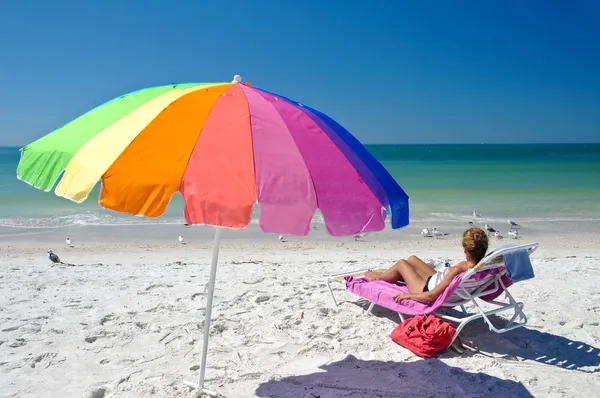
pixel 514 233
pixel 68 242
pixel 497 235
pixel 471 222
pixel 476 215
pixel 359 236
pixel 54 258
pixel 489 229
pixel 281 238
pixel 512 223
pixel 437 233
pixel 425 232
pixel 180 239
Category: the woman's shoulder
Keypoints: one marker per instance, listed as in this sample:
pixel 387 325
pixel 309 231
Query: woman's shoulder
pixel 461 264
pixel 461 267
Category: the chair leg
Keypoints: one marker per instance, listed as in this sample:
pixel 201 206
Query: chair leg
pixel 370 309
pixel 517 306
pixel 462 322
pixel 328 282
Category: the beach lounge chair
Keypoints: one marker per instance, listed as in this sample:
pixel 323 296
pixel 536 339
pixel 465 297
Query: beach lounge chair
pixel 486 281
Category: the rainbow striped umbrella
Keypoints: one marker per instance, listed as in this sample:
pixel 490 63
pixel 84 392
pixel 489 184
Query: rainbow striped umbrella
pixel 223 147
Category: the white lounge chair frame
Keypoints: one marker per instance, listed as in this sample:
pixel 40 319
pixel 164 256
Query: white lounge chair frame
pixel 468 291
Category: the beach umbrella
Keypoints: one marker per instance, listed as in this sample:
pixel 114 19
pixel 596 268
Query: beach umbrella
pixel 223 147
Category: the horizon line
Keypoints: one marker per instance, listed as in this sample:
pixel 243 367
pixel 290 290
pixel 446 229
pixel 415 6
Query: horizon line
pixel 424 143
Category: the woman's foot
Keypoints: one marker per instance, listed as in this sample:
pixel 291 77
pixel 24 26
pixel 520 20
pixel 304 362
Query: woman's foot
pixel 373 275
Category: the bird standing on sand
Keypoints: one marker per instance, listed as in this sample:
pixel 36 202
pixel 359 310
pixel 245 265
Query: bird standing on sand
pixel 280 238
pixel 437 233
pixel 512 224
pixel 514 233
pixel 358 237
pixel 471 223
pixel 425 232
pixel 53 258
pixel 181 240
pixel 476 215
pixel 68 242
pixel 489 229
pixel 497 235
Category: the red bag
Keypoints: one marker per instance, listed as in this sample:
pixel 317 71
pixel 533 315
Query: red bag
pixel 424 335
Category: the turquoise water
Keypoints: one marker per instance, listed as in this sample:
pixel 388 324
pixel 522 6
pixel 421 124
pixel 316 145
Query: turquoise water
pixel 446 182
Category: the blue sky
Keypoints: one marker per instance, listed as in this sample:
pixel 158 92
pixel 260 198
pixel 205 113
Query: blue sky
pixel 389 71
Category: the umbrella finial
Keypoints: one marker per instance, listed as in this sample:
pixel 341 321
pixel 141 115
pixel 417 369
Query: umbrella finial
pixel 237 79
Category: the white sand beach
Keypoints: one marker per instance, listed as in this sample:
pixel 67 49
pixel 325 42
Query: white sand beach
pixel 126 320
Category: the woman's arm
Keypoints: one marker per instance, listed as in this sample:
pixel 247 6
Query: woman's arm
pixel 427 297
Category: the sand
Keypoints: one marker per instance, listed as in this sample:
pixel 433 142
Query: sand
pixel 127 319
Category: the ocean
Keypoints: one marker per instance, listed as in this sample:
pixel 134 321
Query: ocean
pixel 528 182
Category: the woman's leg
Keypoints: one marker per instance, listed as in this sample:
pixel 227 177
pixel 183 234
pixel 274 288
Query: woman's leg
pixel 391 275
pixel 421 267
pixel 402 271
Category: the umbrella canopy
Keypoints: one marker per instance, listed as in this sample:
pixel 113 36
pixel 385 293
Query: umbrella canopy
pixel 224 147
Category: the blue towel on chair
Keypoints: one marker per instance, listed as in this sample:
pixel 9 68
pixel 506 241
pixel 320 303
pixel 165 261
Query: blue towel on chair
pixel 518 264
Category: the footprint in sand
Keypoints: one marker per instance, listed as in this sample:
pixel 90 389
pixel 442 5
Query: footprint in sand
pixel 294 320
pixel 11 329
pixel 157 285
pixel 20 342
pixel 32 328
pixel 97 393
pixel 107 318
pixel 141 325
pixel 217 329
pixel 253 281
pixel 262 298
pixel 166 307
pixel 196 295
pixel 325 311
pixel 46 360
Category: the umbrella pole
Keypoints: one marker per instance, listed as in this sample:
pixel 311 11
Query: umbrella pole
pixel 209 300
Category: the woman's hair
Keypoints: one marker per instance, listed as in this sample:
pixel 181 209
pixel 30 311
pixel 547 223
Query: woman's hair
pixel 475 242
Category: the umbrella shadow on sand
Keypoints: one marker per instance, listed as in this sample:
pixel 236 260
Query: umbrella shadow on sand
pixel 352 377
pixel 522 343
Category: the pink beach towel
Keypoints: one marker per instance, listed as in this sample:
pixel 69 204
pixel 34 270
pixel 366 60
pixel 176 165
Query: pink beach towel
pixel 382 293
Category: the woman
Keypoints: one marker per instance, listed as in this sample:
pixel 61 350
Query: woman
pixel 423 282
